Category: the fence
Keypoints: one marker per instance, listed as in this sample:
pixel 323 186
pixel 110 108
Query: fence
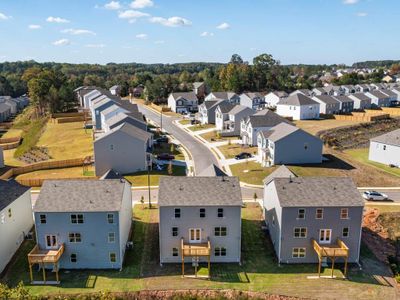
pixel 9 145
pixel 393 111
pixel 361 117
pixel 67 115
pixel 160 108
pixel 69 119
pixel 35 182
pixel 10 140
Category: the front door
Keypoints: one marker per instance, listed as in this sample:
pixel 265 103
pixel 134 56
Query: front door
pixel 51 241
pixel 325 236
pixel 194 235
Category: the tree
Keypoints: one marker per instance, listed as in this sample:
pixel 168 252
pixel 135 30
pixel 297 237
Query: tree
pixel 38 89
pixel 236 59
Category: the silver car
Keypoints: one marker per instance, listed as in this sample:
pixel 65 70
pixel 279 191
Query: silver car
pixel 373 195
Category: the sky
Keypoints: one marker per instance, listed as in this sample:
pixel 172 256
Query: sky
pixel 175 31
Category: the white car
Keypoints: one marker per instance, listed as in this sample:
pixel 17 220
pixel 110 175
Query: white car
pixel 373 195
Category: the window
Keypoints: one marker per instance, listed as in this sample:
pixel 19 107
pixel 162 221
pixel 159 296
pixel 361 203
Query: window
pixel 194 235
pixel 220 231
pixel 51 241
pixel 110 218
pixel 77 219
pixel 220 213
pixel 299 252
pixel 325 236
pixel 111 237
pixel 305 146
pixel 345 232
pixel 72 258
pixel 384 147
pixel 42 219
pixel 319 214
pixel 301 213
pixel 344 213
pixel 174 251
pixel 175 231
pixel 300 232
pixel 177 213
pixel 9 213
pixel 74 237
pixel 220 251
pixel 202 212
pixel 113 257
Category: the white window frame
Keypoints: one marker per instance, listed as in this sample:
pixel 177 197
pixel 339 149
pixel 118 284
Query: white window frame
pixel 53 246
pixel 347 213
pixel 348 232
pixel 197 235
pixel 77 219
pixel 297 252
pixel 173 252
pixel 41 219
pixel 300 231
pixel 324 240
pixel 112 240
pixel 322 214
pixel 73 236
pixel 298 214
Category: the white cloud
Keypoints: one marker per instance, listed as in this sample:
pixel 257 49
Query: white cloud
pixel 206 34
pixel 78 31
pixel 159 42
pixel 362 14
pixel 61 42
pixel 132 14
pixel 56 20
pixel 223 26
pixel 34 26
pixel 350 2
pixel 141 36
pixel 95 46
pixel 4 17
pixel 142 3
pixel 171 22
pixel 113 5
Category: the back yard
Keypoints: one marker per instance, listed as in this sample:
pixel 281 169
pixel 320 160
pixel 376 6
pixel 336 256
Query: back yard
pixel 258 272
pixel 314 126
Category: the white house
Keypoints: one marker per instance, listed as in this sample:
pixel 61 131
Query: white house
pixel 305 92
pixel 15 218
pixel 385 149
pixel 89 96
pixel 271 99
pixel 110 112
pixel 298 107
pixel 319 91
pixel 231 97
pixel 222 113
pixel 183 102
pixel 252 100
pixel 115 90
pixel 207 111
pixel 231 126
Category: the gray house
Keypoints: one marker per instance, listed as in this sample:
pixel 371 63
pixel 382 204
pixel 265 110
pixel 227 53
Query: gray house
pixel 346 103
pixel 385 148
pixel 361 101
pixel 378 99
pixel 1 158
pixel 123 149
pixel 231 97
pixel 5 112
pixel 288 144
pixel 252 100
pixel 306 216
pixel 362 88
pixel 207 111
pixel 200 215
pixel 86 221
pixel 231 126
pixel 319 91
pixel 327 104
pixel 135 119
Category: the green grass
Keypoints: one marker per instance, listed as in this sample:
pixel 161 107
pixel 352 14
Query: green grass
pixel 230 151
pixel 213 137
pixel 259 270
pixel 184 122
pixel 30 136
pixel 251 172
pixel 361 155
pixel 166 148
pixel 141 179
pixel 199 127
pixel 74 172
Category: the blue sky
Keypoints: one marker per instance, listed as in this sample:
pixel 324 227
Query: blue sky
pixel 168 31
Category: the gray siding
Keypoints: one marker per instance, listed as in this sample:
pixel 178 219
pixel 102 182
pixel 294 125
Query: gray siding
pixel 273 215
pixel 97 112
pixel 125 218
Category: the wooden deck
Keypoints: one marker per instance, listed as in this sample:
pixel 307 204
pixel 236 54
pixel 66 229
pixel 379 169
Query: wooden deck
pixel 43 257
pixel 332 252
pixel 195 250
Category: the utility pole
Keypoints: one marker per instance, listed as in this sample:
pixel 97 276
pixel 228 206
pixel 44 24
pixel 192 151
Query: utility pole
pixel 148 178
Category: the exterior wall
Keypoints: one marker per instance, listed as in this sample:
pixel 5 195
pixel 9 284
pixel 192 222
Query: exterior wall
pixel 250 137
pixel 271 99
pixel 331 220
pixel 379 102
pixel 13 229
pixel 327 109
pixel 106 116
pixel 120 152
pixel 246 101
pixel 125 218
pixel 89 96
pixel 172 103
pixel 303 112
pixel 97 113
pixel 12 105
pixel 384 153
pixel 94 249
pixel 220 118
pixel 190 219
pixel 360 104
pixel 1 158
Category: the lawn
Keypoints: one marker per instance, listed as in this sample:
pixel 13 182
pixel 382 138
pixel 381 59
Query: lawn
pixel 12 132
pixel 170 149
pixel 361 155
pixel 141 178
pixel 10 160
pixel 213 137
pixel 251 172
pixel 314 126
pixel 230 151
pixel 199 127
pixel 67 141
pixel 384 207
pixel 259 270
pixel 75 172
pixel 184 122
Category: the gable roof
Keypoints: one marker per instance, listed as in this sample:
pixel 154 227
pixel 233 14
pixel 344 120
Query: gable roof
pixel 185 95
pixel 378 94
pixel 253 95
pixel 390 138
pixel 281 172
pixel 4 107
pixel 224 106
pixel 389 93
pixel 67 196
pixel 361 96
pixel 209 104
pixel 280 94
pixel 280 131
pixel 265 118
pixel 130 130
pixel 223 95
pixel 199 191
pixel 197 84
pixel 317 192
pixel 212 170
pixel 239 108
pixel 130 118
pixel 343 99
pixel 297 100
pixel 327 99
pixel 10 191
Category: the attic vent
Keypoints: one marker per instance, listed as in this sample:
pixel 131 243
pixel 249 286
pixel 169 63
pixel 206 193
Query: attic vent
pixel 107 191
pixel 290 179
pixel 181 188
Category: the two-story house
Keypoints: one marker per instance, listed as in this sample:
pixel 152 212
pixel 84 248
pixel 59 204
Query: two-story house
pixel 271 99
pixel 82 224
pixel 310 219
pixel 349 89
pixel 305 92
pixel 362 88
pixel 288 144
pixel 328 105
pixel 221 113
pixel 319 91
pixel 231 126
pixel 207 111
pixel 183 102
pixel 346 103
pixel 298 107
pixel 361 101
pixel 231 97
pixel 378 99
pixel 252 100
pixel 385 148
pixel 200 219
pixel 133 118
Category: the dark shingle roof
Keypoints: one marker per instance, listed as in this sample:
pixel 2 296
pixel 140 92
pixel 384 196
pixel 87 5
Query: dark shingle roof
pixel 297 99
pixel 343 99
pixel 327 99
pixel 378 94
pixel 130 130
pixel 317 192
pixel 186 95
pixel 266 118
pixel 197 191
pixel 10 191
pixel 281 172
pixel 80 195
pixel 390 138
pixel 361 97
pixel 225 106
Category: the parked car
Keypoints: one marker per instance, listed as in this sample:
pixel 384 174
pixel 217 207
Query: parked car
pixel 161 139
pixel 373 195
pixel 243 155
pixel 165 156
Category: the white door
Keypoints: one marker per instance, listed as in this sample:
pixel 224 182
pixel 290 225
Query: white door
pixel 194 235
pixel 51 241
pixel 325 236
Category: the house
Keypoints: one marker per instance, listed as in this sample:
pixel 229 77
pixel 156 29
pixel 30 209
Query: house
pixel 362 88
pixel 396 90
pixel 334 90
pixel 98 106
pixel 207 111
pixel 135 119
pixel 280 172
pixel 84 224
pixel 328 105
pixel 81 91
pixel 13 106
pixel 385 148
pixel 388 78
pixel 298 107
pixel 123 149
pixel 288 144
pixel 15 218
pixel 183 102
pixel 262 120
pixel 89 96
pixel 378 99
pixel 271 99
pixel 222 113
pixel 1 159
pixel 305 92
pixel 137 92
pixel 231 97
pixel 393 96
pixel 378 86
pixel 110 112
pixel 115 90
pixel 200 213
pixel 346 103
pixel 231 126
pixel 361 101
pixel 349 89
pixel 200 89
pixel 252 100
pixel 212 171
pixel 309 214
pixel 5 112
pixel 319 91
